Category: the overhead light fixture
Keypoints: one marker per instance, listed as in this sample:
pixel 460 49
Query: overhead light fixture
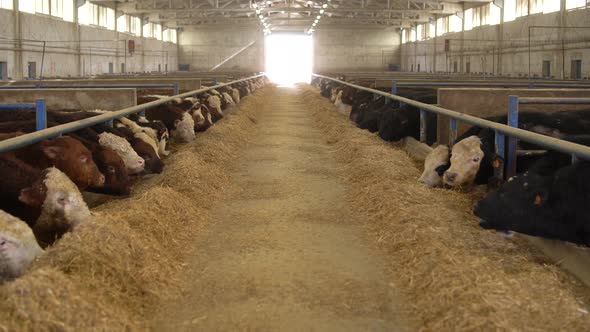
pixel 314 24
pixel 254 5
pixel 257 11
pixel 318 17
pixel 325 5
pixel 260 16
pixel 282 11
pixel 322 11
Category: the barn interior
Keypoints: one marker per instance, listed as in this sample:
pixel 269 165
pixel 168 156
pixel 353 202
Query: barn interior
pixel 293 165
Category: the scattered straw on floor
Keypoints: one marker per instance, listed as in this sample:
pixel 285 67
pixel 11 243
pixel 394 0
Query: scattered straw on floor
pixel 457 276
pixel 110 273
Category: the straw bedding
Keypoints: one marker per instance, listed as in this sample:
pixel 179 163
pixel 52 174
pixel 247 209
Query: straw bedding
pixel 456 276
pixel 110 273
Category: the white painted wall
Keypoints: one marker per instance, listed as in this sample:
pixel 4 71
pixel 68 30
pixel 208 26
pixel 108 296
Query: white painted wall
pixel 66 57
pixel 502 50
pixel 202 49
pixel 355 49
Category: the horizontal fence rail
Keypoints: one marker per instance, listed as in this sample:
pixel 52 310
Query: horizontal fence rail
pixel 97 86
pixel 513 110
pixel 24 140
pixel 531 85
pixel 38 106
pixel 547 142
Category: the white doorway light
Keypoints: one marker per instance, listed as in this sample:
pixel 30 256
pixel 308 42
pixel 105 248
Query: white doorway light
pixel 289 58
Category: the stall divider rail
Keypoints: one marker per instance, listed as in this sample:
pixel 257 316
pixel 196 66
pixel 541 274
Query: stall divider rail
pixel 38 106
pixel 501 130
pixel 27 139
pixel 97 86
pixel 513 109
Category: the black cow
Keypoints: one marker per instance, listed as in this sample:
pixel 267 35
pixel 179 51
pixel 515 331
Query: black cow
pixel 552 206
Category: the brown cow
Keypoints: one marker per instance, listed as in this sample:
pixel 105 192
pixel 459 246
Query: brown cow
pixel 68 155
pixel 117 180
pixel 46 199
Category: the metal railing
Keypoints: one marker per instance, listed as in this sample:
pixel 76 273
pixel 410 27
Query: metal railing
pixel 38 106
pixel 98 86
pixel 24 140
pixel 513 109
pixel 501 130
pixel 530 85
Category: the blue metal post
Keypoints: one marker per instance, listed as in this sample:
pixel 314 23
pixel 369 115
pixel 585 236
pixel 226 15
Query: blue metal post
pixel 512 141
pixel 574 158
pixel 176 89
pixel 41 113
pixel 394 92
pixel 453 132
pixel 531 85
pixel 423 126
pixel 501 155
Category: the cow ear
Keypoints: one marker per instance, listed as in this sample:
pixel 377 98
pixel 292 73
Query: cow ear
pixel 176 122
pixel 540 198
pixel 28 197
pixel 440 170
pixel 497 161
pixel 52 151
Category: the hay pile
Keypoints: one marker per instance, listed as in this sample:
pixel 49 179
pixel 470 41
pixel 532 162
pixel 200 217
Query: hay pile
pixel 111 273
pixel 455 275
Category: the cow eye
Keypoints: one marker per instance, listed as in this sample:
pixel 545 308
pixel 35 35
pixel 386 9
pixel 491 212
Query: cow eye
pixel 111 169
pixel 83 159
pixel 475 159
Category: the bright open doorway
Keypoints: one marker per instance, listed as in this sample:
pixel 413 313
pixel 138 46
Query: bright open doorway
pixel 289 58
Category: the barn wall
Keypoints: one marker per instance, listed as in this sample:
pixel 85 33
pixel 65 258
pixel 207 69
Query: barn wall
pixel 503 49
pixel 202 49
pixel 355 49
pixel 65 56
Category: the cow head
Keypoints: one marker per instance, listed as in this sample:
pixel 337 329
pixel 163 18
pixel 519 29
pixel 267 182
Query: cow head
pixel 74 159
pixel 59 199
pixel 18 246
pixel 466 158
pixel 435 165
pixel 153 163
pixel 184 129
pixel 522 204
pixel 393 125
pixel 116 175
pixel 133 162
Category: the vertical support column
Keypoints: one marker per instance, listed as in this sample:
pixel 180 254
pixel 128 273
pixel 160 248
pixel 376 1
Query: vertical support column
pixel 561 33
pixel 452 131
pixel 142 45
pixel 176 89
pixel 41 113
pixel 500 42
pixel 498 163
pixel 18 70
pixel 80 63
pixel 512 141
pixel 423 126
pixel 435 41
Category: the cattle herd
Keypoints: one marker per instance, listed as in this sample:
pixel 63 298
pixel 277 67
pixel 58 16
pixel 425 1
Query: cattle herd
pixel 546 198
pixel 41 184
